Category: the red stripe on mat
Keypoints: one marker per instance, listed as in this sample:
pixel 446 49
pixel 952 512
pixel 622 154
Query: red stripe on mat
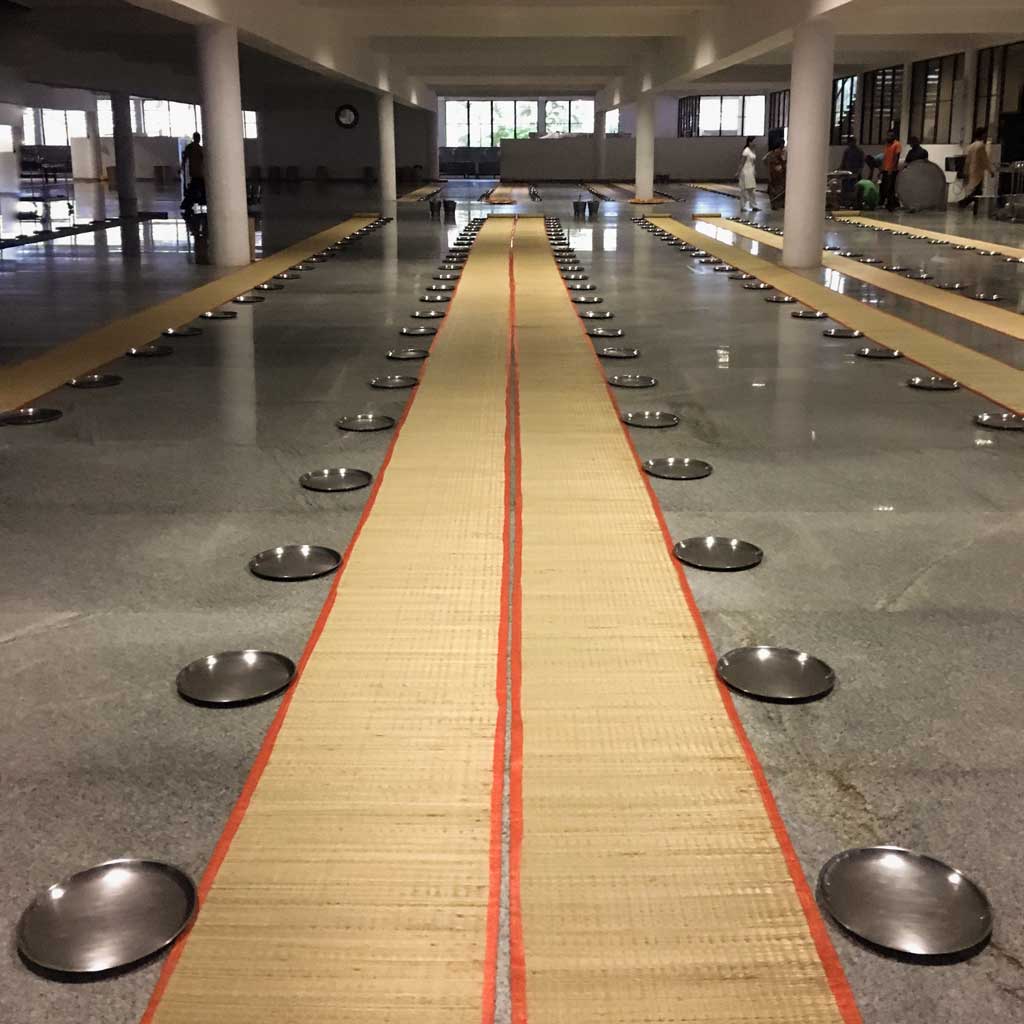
pixel 826 951
pixel 220 851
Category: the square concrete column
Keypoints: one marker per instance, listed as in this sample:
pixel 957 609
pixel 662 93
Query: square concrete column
pixel 807 149
pixel 644 176
pixel 600 146
pixel 223 148
pixel 386 131
pixel 124 154
pixel 432 167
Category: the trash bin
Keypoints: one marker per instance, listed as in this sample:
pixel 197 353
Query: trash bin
pixel 435 209
pixel 579 208
pixel 594 208
pixel 449 209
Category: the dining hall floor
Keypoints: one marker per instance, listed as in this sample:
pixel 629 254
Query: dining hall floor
pixel 509 536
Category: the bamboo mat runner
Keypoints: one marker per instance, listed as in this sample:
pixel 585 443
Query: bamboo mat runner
pixel 902 229
pixel 360 885
pixel 418 194
pixel 624 192
pixel 505 195
pixel 733 191
pixel 655 879
pixel 995 318
pixel 34 377
pixel 989 377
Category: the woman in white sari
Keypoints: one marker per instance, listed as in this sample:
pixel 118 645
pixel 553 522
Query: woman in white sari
pixel 747 177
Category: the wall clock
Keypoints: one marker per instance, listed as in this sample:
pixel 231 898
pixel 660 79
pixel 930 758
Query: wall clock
pixel 346 116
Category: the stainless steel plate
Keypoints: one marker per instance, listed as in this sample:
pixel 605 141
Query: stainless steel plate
pixel 440 287
pixel 247 300
pixel 724 268
pixel 286 276
pixel 710 261
pixel 937 241
pixel 1000 420
pixel 586 300
pixel 696 253
pixel 918 276
pixel 294 562
pixel 905 901
pixel 269 286
pixel 776 673
pixel 987 297
pixel 873 352
pixel 757 286
pixel 408 353
pixel 606 332
pixel 720 554
pixel 106 917
pixel 95 380
pixel 933 383
pixel 427 314
pixel 871 261
pixel 235 677
pixel 219 314
pixel 896 268
pixel 149 351
pixel 418 332
pixel 842 332
pixel 596 314
pixel 953 286
pixel 181 332
pixel 365 422
pixel 652 418
pixel 574 277
pixel 435 297
pixel 335 480
pixel 575 287
pixel 676 468
pixel 447 277
pixel 393 381
pixel 808 314
pixel 28 416
pixel 632 380
pixel 613 352
pixel 849 254
pixel 780 299
pixel 986 252
pixel 741 277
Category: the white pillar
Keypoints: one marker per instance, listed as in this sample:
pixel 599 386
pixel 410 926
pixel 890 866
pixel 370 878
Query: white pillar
pixel 644 133
pixel 386 131
pixel 807 163
pixel 432 168
pixel 92 130
pixel 600 147
pixel 124 154
pixel 223 148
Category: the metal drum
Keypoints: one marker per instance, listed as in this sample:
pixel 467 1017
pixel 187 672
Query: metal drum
pixel 921 185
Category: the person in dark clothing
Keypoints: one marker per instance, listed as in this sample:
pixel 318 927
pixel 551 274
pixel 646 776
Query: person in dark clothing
pixel 852 161
pixel 192 165
pixel 916 151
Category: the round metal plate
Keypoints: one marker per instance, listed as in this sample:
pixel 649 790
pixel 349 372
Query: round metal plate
pixel 586 300
pixel 808 314
pixel 612 352
pixel 596 314
pixel 294 562
pixel 987 252
pixel 905 901
pixel 219 314
pixel 393 381
pixel 26 417
pixel 896 268
pixel 285 276
pixel 710 261
pixel 651 418
pixel 675 468
pixel 408 353
pixel 922 276
pixel 447 277
pixel 335 479
pixel 849 254
pixel 842 332
pixel 182 332
pixel 95 380
pixel 1000 420
pixel 247 300
pixel 418 332
pixel 776 673
pixel 235 677
pixel 757 286
pixel 987 297
pixel 953 286
pixel 872 352
pixel 871 261
pixel 932 383
pixel 440 287
pixel 365 422
pixel 573 267
pixel 574 277
pixel 721 554
pixel 149 351
pixel 269 286
pixel 435 297
pixel 606 332
pixel 575 287
pixel 106 917
pixel 696 253
pixel 741 277
pixel 427 314
pixel 937 241
pixel 780 299
pixel 632 380
pixel 724 268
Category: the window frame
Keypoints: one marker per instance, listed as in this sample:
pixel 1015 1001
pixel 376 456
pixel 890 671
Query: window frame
pixel 931 119
pixel 844 103
pixel 688 121
pixel 885 84
pixel 778 109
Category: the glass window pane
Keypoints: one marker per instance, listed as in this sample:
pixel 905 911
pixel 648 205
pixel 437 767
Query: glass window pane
pixel 6 138
pixel 250 125
pixel 753 115
pixel 710 115
pixel 556 116
pixel 105 116
pixel 456 121
pixel 183 120
pixel 731 115
pixel 611 122
pixel 503 115
pixel 480 122
pixel 526 118
pixel 55 128
pixel 581 116
pixel 28 127
pixel 76 124
pixel 156 118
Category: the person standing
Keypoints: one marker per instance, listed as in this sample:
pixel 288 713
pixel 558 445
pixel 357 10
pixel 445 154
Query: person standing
pixel 853 163
pixel 747 177
pixel 192 166
pixel 890 166
pixel 976 166
pixel 775 162
pixel 916 150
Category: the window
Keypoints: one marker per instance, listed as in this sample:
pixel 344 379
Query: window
pixel 880 110
pixel 721 115
pixel 581 116
pixel 611 122
pixel 456 123
pixel 183 119
pixel 250 125
pixel 931 97
pixel 556 116
pixel 689 117
pixel 105 116
pixel 999 86
pixel 844 95
pixel 479 122
pixel 77 127
pixel 55 127
pixel 526 118
pixel 28 127
pixel 6 138
pixel 778 109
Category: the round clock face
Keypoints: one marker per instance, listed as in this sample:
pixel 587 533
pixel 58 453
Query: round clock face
pixel 346 116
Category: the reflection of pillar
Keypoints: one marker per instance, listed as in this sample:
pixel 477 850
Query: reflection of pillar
pixel 645 146
pixel 223 149
pixel 386 132
pixel 810 93
pixel 432 168
pixel 600 146
pixel 236 352
pixel 92 131
pixel 124 154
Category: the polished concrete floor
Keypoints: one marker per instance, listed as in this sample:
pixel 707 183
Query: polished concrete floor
pixel 892 529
